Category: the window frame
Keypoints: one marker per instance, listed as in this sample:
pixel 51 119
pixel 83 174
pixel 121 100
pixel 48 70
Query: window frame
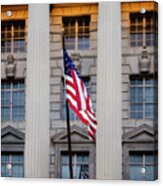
pixel 144 102
pixel 153 29
pixel 76 163
pixel 13 37
pixel 144 164
pixel 11 105
pixel 76 34
pixel 12 163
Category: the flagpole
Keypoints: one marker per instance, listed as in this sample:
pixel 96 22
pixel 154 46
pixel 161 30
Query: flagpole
pixel 68 122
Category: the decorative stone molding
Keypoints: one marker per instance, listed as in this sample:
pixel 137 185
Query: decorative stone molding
pixel 144 61
pixel 76 57
pixel 10 66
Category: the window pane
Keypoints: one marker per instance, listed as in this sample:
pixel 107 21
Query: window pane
pixel 149 173
pixel 65 159
pixel 82 172
pixel 5 114
pixel 80 162
pixel 6 98
pixel 16 161
pixel 149 81
pixel 76 32
pixel 135 173
pixel 10 31
pixel 149 158
pixel 139 21
pixel 17 158
pixel 149 111
pixel 18 113
pixel 4 158
pixel 13 98
pixel 149 95
pixel 139 95
pixel 17 170
pixel 136 158
pixel 4 171
pixel 137 163
pixel 65 171
pixel 142 98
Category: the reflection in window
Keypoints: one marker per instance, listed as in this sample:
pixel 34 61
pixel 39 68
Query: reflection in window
pixel 12 164
pixel 13 36
pixel 76 32
pixel 143 29
pixel 143 166
pixel 13 100
pixel 143 98
pixel 80 163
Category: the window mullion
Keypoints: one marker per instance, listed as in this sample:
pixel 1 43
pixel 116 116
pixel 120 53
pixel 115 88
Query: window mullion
pixel 76 34
pixel 144 31
pixel 11 101
pixel 10 163
pixel 75 165
pixel 12 38
pixel 144 98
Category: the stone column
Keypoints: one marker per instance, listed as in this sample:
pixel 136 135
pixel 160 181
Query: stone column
pixel 109 142
pixel 37 92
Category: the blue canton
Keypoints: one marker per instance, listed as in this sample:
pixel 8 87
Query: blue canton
pixel 69 65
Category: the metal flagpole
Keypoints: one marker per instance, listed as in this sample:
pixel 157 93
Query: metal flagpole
pixel 68 122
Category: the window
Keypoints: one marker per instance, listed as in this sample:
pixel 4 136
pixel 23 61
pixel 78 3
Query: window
pixel 13 100
pixel 72 115
pixel 143 98
pixel 80 163
pixel 76 32
pixel 143 29
pixel 143 166
pixel 13 36
pixel 12 164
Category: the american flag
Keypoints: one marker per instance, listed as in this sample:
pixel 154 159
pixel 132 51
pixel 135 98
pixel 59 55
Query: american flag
pixel 78 97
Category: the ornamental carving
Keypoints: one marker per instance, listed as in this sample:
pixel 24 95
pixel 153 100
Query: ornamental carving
pixel 10 66
pixel 144 61
pixel 76 57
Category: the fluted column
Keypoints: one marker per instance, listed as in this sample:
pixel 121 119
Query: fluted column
pixel 37 92
pixel 109 147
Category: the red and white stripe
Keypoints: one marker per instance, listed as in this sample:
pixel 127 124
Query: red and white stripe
pixel 80 102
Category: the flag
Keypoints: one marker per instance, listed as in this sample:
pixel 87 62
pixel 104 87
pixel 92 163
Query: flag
pixel 78 97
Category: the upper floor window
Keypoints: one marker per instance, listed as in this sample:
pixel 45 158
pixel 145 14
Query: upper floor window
pixel 13 36
pixel 72 115
pixel 143 166
pixel 143 98
pixel 13 100
pixel 76 32
pixel 80 163
pixel 12 164
pixel 143 29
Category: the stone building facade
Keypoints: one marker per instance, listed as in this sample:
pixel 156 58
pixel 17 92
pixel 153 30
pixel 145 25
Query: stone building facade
pixel 130 70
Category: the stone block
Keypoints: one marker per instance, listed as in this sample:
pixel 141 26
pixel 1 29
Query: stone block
pixel 55 80
pixel 55 98
pixel 94 18
pixel 55 115
pixel 55 89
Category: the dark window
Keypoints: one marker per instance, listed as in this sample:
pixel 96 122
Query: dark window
pixel 143 98
pixel 143 166
pixel 12 164
pixel 76 32
pixel 143 29
pixel 13 100
pixel 13 36
pixel 80 163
